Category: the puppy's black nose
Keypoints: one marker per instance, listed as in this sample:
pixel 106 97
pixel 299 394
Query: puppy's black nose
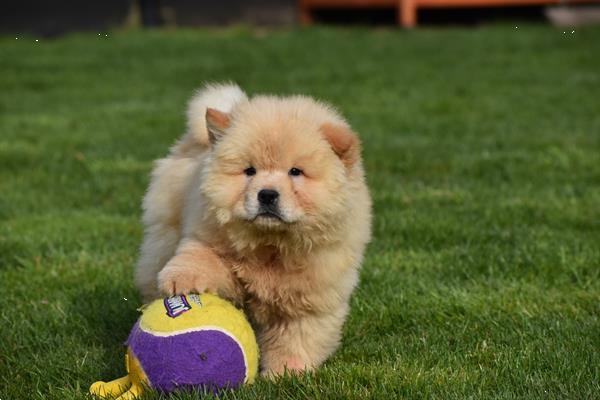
pixel 268 197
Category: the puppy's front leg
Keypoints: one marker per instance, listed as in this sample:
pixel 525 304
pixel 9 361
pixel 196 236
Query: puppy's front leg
pixel 196 268
pixel 301 344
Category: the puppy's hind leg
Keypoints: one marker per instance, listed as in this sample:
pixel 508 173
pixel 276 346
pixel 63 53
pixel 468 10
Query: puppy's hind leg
pixel 163 204
pixel 160 242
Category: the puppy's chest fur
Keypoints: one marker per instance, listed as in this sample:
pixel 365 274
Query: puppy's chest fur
pixel 274 290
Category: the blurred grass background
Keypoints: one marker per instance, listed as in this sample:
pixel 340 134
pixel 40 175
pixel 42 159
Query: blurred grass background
pixel 482 148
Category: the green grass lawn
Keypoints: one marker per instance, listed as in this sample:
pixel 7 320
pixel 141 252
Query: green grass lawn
pixel 482 148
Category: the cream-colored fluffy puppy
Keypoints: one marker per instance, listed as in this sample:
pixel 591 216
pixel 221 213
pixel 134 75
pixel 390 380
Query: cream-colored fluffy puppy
pixel 263 201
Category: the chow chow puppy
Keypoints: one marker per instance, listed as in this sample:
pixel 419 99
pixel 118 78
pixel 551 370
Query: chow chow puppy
pixel 263 201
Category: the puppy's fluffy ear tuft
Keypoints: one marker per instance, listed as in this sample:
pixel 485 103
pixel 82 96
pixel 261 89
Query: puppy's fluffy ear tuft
pixel 343 142
pixel 216 124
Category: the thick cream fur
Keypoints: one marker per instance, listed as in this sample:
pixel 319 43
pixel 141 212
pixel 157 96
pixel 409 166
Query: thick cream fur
pixel 203 231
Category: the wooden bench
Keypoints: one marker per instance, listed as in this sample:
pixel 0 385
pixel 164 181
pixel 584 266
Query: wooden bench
pixel 407 9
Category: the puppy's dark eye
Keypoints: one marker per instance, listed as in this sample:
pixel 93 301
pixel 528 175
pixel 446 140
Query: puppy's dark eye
pixel 295 172
pixel 250 171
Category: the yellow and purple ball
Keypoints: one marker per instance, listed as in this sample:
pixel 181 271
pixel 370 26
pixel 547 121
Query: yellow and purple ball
pixel 192 341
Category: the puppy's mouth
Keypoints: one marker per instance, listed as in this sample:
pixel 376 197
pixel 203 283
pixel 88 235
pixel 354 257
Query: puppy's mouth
pixel 269 214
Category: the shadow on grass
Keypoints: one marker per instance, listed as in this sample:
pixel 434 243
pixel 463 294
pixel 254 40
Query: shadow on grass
pixel 106 314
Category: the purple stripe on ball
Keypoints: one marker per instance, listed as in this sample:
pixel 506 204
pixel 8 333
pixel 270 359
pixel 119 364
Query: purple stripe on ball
pixel 208 358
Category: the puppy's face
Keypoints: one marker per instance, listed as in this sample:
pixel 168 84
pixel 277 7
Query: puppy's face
pixel 278 165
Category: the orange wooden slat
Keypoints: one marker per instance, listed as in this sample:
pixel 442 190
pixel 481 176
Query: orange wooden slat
pixel 493 3
pixel 407 9
pixel 435 3
pixel 349 3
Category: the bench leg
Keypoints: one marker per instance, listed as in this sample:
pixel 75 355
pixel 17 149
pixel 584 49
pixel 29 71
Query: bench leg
pixel 304 14
pixel 407 13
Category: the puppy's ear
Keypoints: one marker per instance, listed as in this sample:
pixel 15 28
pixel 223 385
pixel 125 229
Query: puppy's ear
pixel 216 123
pixel 343 141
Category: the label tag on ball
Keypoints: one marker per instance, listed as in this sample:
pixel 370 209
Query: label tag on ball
pixel 176 306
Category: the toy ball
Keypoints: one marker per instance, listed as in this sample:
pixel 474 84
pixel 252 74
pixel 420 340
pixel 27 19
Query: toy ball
pixel 186 341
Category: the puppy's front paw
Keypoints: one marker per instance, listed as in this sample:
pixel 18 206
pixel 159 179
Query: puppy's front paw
pixel 174 280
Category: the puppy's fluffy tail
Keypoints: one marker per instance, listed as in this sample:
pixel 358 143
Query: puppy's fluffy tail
pixel 220 96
